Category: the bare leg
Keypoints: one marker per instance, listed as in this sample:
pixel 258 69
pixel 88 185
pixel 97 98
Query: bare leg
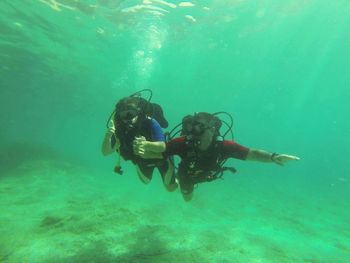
pixel 167 172
pixel 169 180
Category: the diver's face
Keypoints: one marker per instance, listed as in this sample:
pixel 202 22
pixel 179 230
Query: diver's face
pixel 129 117
pixel 206 139
pixel 130 123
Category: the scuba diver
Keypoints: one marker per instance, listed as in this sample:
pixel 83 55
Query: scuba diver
pixel 135 133
pixel 203 151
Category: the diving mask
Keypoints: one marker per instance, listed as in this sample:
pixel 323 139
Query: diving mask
pixel 128 115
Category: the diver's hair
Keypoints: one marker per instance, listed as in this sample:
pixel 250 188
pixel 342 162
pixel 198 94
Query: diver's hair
pixel 203 116
pixel 126 102
pixel 210 119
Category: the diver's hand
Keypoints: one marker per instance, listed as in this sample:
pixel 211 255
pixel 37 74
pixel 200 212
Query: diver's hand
pixel 139 146
pixel 111 126
pixel 281 159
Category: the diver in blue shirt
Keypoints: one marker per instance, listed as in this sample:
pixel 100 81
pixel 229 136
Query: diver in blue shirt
pixel 133 133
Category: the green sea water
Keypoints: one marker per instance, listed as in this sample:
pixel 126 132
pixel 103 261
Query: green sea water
pixel 281 68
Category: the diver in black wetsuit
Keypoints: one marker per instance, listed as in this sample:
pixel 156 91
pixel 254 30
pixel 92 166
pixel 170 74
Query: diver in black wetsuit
pixel 134 132
pixel 203 152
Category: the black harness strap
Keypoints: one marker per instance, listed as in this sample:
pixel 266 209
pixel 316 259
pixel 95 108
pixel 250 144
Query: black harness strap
pixel 218 171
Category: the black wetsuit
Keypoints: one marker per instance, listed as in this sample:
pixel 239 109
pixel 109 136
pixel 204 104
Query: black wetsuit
pixel 201 166
pixel 151 130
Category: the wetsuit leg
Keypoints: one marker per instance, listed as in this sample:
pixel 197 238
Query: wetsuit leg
pixel 186 186
pixel 144 172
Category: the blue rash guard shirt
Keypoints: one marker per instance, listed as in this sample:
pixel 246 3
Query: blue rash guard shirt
pixel 157 133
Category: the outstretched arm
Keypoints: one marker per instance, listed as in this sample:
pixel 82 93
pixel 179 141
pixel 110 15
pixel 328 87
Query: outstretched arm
pixel 264 156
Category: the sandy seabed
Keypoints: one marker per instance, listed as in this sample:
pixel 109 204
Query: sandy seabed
pixel 56 212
